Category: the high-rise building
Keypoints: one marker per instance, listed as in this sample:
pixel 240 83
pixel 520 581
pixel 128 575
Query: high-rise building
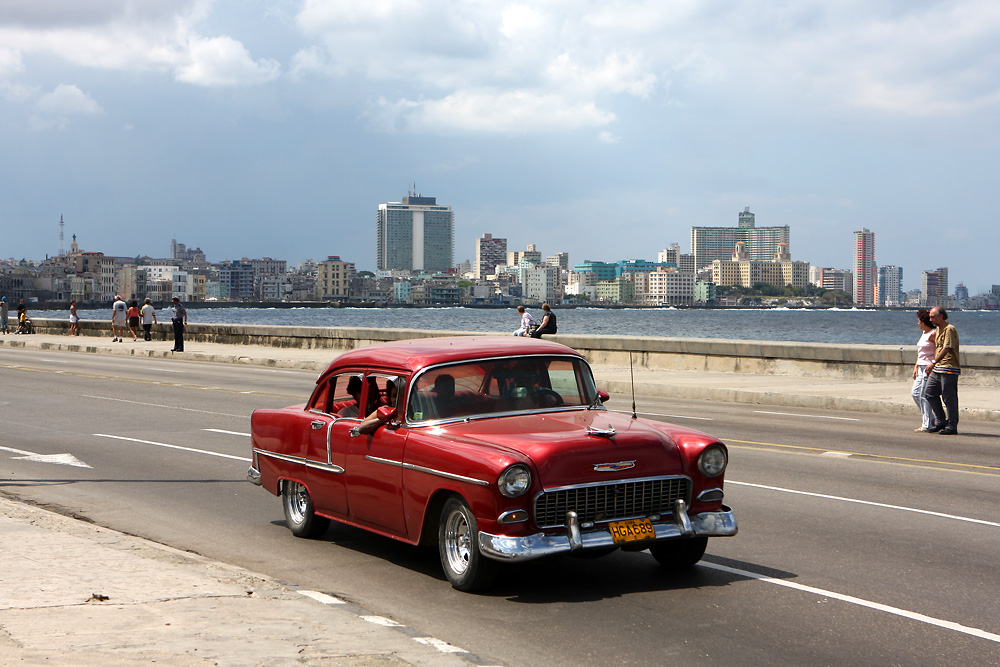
pixel 414 235
pixel 532 254
pixel 889 290
pixel 865 270
pixel 711 243
pixel 934 287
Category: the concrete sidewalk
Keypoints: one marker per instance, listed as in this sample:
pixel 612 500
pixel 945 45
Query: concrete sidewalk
pixel 864 395
pixel 72 593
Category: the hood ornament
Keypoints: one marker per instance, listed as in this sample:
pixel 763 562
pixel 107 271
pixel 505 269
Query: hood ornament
pixel 608 432
pixel 614 467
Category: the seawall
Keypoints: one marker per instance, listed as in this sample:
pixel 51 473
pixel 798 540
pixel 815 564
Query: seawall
pixel 980 364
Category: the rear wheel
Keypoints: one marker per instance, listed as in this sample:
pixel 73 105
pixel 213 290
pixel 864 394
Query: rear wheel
pixel 458 547
pixel 677 554
pixel 299 515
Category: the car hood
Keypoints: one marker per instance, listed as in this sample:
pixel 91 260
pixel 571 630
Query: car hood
pixel 577 446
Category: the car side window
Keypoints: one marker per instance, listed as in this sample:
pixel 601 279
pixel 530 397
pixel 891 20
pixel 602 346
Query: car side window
pixel 346 390
pixel 321 399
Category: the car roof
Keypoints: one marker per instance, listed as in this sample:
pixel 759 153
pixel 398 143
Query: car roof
pixel 417 353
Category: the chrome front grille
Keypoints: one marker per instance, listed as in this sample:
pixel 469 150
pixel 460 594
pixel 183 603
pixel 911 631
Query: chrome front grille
pixel 611 501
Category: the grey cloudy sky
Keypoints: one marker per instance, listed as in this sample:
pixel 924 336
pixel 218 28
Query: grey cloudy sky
pixel 602 128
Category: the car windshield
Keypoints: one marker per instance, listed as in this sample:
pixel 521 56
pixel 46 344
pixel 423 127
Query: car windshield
pixel 501 386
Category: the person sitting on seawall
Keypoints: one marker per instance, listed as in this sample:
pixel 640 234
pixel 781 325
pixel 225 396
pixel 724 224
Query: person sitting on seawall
pixel 527 322
pixel 354 389
pixel 548 325
pixel 373 421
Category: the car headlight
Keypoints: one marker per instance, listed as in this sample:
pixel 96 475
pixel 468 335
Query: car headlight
pixel 514 481
pixel 712 461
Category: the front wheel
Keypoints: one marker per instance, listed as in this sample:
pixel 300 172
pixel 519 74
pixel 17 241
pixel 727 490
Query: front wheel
pixel 299 514
pixel 677 554
pixel 458 547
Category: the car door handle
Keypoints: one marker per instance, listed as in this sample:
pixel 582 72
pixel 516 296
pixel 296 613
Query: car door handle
pixel 317 424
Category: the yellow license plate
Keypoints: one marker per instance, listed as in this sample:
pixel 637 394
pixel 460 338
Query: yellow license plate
pixel 632 530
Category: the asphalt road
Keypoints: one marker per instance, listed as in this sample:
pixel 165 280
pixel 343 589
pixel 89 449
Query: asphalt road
pixel 860 541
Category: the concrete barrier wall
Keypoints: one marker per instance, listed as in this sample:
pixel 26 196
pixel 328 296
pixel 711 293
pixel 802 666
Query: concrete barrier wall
pixel 980 364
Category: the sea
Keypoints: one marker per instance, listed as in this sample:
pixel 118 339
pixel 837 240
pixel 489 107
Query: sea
pixel 840 326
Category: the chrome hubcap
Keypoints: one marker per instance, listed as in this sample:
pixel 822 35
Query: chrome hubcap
pixel 457 542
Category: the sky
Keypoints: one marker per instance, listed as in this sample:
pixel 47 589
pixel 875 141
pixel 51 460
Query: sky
pixel 605 129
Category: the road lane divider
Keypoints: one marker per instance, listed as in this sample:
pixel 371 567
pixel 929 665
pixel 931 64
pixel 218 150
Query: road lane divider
pixel 654 414
pixel 169 446
pixel 792 414
pixel 871 503
pixel 160 405
pixel 877 606
pixel 225 432
pixel 862 455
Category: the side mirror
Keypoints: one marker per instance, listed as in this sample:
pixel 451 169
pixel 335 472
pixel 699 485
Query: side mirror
pixel 605 397
pixel 386 413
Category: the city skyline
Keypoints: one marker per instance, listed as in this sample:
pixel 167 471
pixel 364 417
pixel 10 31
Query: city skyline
pixel 271 128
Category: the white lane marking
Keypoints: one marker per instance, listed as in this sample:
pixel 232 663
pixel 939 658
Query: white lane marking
pixel 654 414
pixel 878 606
pixel 792 414
pixel 440 645
pixel 322 597
pixel 867 502
pixel 54 361
pixel 59 459
pixel 383 621
pixel 168 446
pixel 839 455
pixel 160 405
pixel 220 430
pixel 166 370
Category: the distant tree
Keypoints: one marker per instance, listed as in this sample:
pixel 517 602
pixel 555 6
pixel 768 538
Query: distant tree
pixel 365 274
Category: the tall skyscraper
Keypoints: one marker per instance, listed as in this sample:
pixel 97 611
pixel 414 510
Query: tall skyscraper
pixel 934 287
pixel 489 253
pixel 711 243
pixel 889 291
pixel 865 271
pixel 415 235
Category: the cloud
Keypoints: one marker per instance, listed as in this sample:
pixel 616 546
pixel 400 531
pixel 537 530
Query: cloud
pixel 223 61
pixel 56 109
pixel 153 35
pixel 492 112
pixel 581 59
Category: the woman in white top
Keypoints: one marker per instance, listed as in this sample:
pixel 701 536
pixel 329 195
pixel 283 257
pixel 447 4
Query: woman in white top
pixel 925 355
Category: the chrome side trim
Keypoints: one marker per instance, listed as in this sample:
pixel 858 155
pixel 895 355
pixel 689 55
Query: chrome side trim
pixel 509 548
pixel 429 471
pixel 318 465
pixel 253 476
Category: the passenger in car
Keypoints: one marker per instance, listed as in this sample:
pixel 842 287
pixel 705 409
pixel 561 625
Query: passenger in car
pixel 354 389
pixel 444 394
pixel 372 421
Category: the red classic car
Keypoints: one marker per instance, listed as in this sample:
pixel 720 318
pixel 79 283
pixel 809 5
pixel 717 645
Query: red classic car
pixel 496 449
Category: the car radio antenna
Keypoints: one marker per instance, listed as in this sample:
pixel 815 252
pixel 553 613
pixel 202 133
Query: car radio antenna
pixel 631 376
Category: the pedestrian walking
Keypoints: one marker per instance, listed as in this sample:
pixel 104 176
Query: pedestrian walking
pixel 133 319
pixel 527 322
pixel 148 314
pixel 179 320
pixel 73 319
pixel 942 375
pixel 118 310
pixel 3 315
pixel 925 355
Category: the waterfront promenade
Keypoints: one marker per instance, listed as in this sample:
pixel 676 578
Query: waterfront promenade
pixel 860 391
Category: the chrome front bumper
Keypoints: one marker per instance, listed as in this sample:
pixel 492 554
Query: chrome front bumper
pixel 505 547
pixel 253 476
